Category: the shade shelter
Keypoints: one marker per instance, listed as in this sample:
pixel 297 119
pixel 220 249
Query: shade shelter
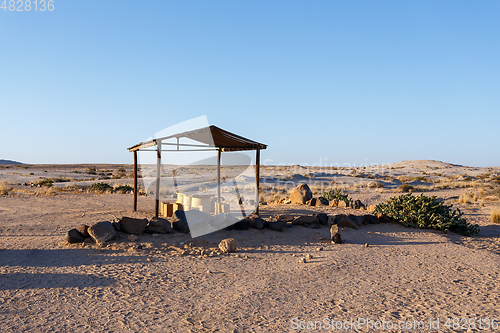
pixel 211 138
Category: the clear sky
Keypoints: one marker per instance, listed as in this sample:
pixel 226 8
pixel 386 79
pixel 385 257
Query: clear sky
pixel 320 82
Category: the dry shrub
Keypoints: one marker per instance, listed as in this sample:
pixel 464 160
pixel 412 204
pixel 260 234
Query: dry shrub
pixel 495 214
pixel 45 192
pixel 405 188
pixel 465 198
pixel 375 184
pixel 4 189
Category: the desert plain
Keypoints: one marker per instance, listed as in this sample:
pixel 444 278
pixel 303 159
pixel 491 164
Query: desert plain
pixel 404 279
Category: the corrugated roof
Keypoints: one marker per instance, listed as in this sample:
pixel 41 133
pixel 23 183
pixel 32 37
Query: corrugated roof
pixel 211 136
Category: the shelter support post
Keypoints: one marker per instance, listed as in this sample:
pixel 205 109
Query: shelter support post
pixel 135 181
pixel 218 179
pixel 158 165
pixel 257 179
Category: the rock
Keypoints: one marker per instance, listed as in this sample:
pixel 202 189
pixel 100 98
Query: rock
pixel 345 222
pixel 334 202
pixel 359 220
pixel 74 236
pixel 311 202
pixel 199 222
pixel 322 218
pixel 357 204
pixel 179 222
pixel 312 225
pixel 331 220
pixel 301 194
pixel 371 219
pixel 385 218
pixel 309 256
pixel 133 226
pixel 284 218
pixel 228 245
pixel 335 234
pixel 83 229
pixel 102 231
pixel 223 220
pixel 371 207
pixel 305 219
pixel 302 261
pixel 342 204
pixel 132 238
pixel 319 249
pixel 255 222
pixel 117 226
pixel 240 225
pixel 276 226
pixel 367 245
pixel 320 201
pixel 158 226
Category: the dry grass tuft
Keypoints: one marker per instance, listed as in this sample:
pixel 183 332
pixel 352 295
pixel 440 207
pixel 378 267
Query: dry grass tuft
pixel 495 214
pixel 465 198
pixel 45 192
pixel 4 189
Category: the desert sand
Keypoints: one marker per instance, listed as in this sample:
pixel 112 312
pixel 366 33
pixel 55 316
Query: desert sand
pixel 404 276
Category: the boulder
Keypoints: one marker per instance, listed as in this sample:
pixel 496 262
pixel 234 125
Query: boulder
pixel 305 219
pixel 311 202
pixel 158 226
pixel 371 219
pixel 342 204
pixel 359 220
pixel 228 245
pixel 284 218
pixel 322 218
pixel 320 201
pixel 334 202
pixel 133 226
pixel 199 222
pixel 255 222
pixel 385 218
pixel 331 220
pixel 335 234
pixel 223 220
pixel 83 229
pixel 74 236
pixel 276 226
pixel 179 222
pixel 312 225
pixel 102 231
pixel 345 222
pixel 301 194
pixel 356 204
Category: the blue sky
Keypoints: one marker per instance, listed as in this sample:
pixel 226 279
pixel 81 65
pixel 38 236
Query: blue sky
pixel 318 81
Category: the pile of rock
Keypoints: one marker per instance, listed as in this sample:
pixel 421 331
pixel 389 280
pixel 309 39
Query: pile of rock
pixel 302 195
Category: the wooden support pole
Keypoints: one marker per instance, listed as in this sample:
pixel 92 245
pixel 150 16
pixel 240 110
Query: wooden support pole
pixel 218 180
pixel 257 179
pixel 135 181
pixel 158 165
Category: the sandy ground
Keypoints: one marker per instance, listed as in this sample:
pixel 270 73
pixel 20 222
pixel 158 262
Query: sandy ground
pixel 402 277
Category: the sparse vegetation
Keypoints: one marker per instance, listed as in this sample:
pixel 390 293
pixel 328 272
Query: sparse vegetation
pixel 495 215
pixel 100 187
pixel 123 189
pixel 405 188
pixel 4 189
pixel 45 182
pixel 336 194
pixel 91 171
pixel 420 178
pixel 465 198
pixel 426 213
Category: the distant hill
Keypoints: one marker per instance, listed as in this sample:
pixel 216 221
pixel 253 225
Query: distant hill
pixel 9 162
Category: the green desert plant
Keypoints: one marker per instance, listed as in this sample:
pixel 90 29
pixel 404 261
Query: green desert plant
pixel 336 194
pixel 426 213
pixel 123 189
pixel 100 187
